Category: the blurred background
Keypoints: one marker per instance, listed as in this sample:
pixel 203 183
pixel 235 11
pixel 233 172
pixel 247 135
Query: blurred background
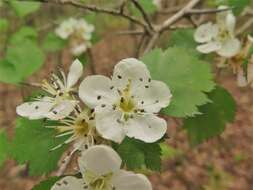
pixel 222 163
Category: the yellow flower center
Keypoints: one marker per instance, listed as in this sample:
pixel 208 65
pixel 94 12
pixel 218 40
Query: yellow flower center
pixel 81 128
pixel 98 182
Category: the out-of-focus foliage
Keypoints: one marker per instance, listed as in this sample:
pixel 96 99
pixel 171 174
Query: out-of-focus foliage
pixel 53 42
pixel 214 117
pixel 187 76
pixel 3 147
pixel 23 8
pixel 46 184
pixel 238 5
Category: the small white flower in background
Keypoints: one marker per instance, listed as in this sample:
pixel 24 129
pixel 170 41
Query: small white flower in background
pixel 59 102
pixel 128 103
pixel 219 37
pixel 158 3
pixel 100 168
pixel 79 33
pixel 244 55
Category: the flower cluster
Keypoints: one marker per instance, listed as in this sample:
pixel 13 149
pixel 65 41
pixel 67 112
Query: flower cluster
pixel 79 33
pixel 127 104
pixel 219 37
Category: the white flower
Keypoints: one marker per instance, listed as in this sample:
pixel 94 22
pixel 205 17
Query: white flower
pixel 219 37
pixel 79 33
pixel 158 3
pixel 100 168
pixel 80 128
pixel 59 103
pixel 127 104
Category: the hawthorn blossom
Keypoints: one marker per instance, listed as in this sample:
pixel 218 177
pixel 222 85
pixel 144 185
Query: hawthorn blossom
pixel 81 129
pixel 59 101
pixel 127 104
pixel 100 169
pixel 219 37
pixel 79 33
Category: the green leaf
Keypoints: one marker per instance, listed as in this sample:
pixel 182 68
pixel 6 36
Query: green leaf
pixel 169 152
pixel 137 154
pixel 214 118
pixel 46 184
pixel 24 33
pixel 25 54
pixel 53 42
pixel 3 147
pixel 32 144
pixel 3 24
pixel 147 5
pixel 187 77
pixel 238 5
pixel 8 73
pixel 24 8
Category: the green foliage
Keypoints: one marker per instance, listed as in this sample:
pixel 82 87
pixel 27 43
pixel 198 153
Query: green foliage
pixel 185 38
pixel 238 5
pixel 23 56
pixel 8 73
pixel 3 24
pixel 53 42
pixel 187 76
pixel 169 152
pixel 137 154
pixel 46 184
pixel 147 5
pixel 32 144
pixel 24 8
pixel 214 118
pixel 3 147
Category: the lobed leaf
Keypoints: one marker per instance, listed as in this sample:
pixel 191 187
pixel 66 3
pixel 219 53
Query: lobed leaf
pixel 137 154
pixel 215 115
pixel 188 78
pixel 32 144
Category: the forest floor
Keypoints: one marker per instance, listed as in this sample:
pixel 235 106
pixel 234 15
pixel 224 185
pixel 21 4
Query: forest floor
pixel 223 163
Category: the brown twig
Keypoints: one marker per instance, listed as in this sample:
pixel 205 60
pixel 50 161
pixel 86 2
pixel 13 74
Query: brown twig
pixel 143 13
pixel 97 9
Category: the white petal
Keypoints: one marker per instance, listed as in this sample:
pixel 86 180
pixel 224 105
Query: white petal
pixel 130 69
pixel 66 28
pixel 241 79
pixel 124 180
pixel 148 128
pixel 96 90
pixel 209 47
pixel 230 48
pixel 34 110
pixel 250 38
pixel 206 32
pixel 75 72
pixel 100 160
pixel 61 110
pixel 222 16
pixel 230 22
pixel 79 49
pixel 153 98
pixel 69 183
pixel 108 125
